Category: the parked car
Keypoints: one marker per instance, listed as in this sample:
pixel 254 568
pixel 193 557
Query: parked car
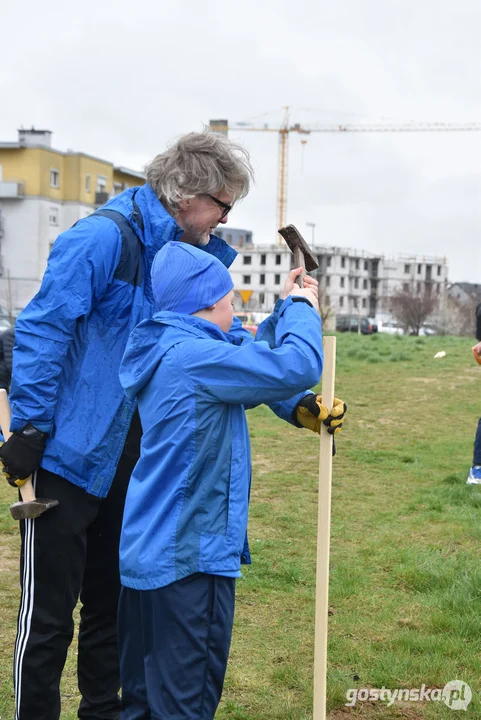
pixel 350 323
pixel 373 322
pixel 391 327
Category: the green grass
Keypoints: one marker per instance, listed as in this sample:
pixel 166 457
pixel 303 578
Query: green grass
pixel 405 586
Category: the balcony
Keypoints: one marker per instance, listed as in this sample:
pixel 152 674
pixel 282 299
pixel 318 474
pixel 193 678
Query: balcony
pixel 11 190
pixel 101 197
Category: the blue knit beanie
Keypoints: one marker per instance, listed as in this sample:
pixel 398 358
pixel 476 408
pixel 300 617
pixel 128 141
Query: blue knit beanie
pixel 186 279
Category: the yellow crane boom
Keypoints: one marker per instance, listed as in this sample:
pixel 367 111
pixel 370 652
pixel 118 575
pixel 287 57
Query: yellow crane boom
pixel 285 128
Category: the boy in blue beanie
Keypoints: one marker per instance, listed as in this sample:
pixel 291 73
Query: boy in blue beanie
pixel 185 520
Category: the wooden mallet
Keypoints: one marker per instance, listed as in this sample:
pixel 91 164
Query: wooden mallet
pixel 30 506
pixel 303 256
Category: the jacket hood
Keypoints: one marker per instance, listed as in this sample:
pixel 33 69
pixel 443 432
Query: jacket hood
pixel 153 338
pixel 186 280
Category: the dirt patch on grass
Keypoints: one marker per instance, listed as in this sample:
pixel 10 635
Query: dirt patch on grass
pixel 8 559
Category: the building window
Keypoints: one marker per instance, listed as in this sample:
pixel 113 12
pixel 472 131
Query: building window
pixel 262 279
pixel 357 264
pixel 365 265
pixel 419 269
pixel 364 284
pixel 341 301
pixel 246 279
pixel 354 302
pixel 364 302
pixel 276 297
pixel 247 260
pixel 407 269
pixel 87 183
pixel 418 288
pixel 277 279
pixel 405 287
pixel 342 282
pixel 328 261
pixel 263 259
pixel 438 288
pixel 262 298
pixel 241 240
pixel 228 238
pixel 53 216
pixel 54 178
pixel 101 183
pixel 356 283
pixel 343 262
pixel 328 281
pixel 439 270
pixel 278 259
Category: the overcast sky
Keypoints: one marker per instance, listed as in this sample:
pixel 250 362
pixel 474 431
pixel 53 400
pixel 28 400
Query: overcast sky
pixel 119 80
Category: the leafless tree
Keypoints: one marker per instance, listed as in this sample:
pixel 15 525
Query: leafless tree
pixel 325 309
pixel 412 309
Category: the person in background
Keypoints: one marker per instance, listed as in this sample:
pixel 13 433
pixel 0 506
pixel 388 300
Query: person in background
pixel 474 475
pixel 7 340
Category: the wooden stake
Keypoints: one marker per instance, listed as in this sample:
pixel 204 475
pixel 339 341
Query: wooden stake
pixel 323 536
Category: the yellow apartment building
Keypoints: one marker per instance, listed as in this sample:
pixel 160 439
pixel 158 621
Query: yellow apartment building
pixel 43 192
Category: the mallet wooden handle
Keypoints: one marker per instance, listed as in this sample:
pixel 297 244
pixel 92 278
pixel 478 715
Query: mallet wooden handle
pixel 299 261
pixel 26 491
pixel 323 536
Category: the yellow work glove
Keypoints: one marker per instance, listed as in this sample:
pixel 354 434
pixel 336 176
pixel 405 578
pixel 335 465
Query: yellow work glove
pixel 310 413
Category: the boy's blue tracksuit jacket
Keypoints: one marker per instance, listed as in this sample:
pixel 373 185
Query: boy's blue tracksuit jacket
pixel 187 502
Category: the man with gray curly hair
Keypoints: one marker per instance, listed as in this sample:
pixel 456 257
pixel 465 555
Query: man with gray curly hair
pixel 198 180
pixel 73 427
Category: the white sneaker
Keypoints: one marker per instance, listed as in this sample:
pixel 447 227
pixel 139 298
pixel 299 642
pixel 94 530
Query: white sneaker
pixel 474 476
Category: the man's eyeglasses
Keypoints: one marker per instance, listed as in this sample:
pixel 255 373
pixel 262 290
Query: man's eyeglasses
pixel 225 207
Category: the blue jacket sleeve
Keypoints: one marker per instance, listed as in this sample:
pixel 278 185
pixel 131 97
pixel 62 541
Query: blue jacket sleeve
pixel 253 373
pixel 267 332
pixel 80 267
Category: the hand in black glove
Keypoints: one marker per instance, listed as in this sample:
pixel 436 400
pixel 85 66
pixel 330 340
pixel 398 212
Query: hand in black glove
pixel 311 413
pixel 22 453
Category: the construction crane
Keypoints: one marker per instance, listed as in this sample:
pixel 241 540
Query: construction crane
pixel 285 128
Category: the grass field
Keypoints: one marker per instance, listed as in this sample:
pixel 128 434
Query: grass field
pixel 405 587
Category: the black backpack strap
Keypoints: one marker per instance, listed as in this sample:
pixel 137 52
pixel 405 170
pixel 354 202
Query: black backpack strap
pixel 129 269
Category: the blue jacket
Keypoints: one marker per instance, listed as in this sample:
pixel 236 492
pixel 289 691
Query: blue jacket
pixel 71 337
pixel 187 502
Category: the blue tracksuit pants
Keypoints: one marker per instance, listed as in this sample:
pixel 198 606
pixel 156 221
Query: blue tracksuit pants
pixel 477 445
pixel 174 644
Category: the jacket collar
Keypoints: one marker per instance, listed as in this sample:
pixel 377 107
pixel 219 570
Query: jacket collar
pixel 194 325
pixel 159 226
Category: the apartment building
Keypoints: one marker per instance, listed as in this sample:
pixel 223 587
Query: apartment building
pixel 43 192
pixel 350 281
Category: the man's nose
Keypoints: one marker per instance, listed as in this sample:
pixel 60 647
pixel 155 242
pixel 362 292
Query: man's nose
pixel 224 219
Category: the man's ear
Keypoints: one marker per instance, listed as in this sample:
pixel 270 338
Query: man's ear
pixel 184 204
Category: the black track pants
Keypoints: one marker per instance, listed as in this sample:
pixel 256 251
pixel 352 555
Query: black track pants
pixel 71 550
